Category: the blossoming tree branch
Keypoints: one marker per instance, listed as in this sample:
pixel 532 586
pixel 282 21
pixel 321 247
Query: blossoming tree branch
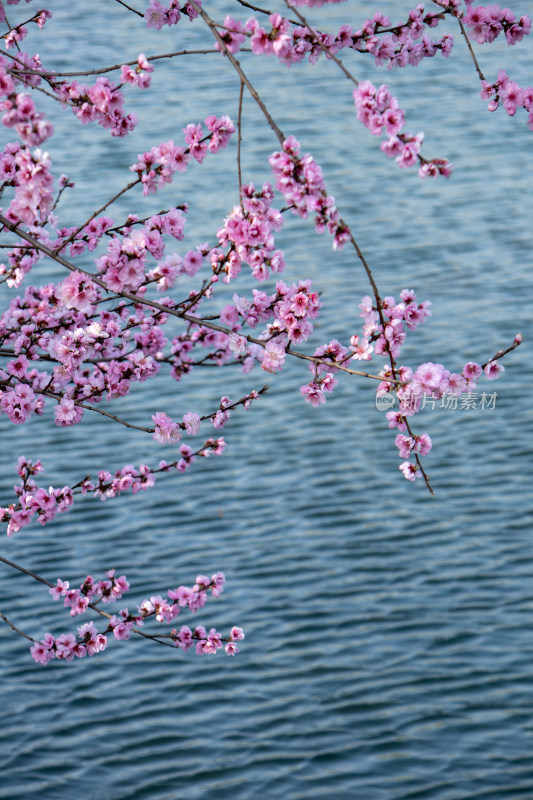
pixel 69 349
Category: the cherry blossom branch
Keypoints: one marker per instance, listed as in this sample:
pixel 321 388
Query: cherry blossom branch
pixel 281 138
pixel 213 28
pixel 129 186
pixel 454 13
pixel 19 25
pixel 166 309
pixel 418 460
pixel 97 213
pixel 102 70
pixel 518 339
pixel 324 47
pixel 123 625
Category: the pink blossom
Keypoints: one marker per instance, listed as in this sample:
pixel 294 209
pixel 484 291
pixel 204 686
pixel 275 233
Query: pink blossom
pixel 42 653
pixel 121 629
pixel 472 371
pixel 156 15
pixel 422 444
pixel 410 470
pixel 192 423
pixel 67 413
pixel 220 419
pixel 166 430
pixel 404 444
pixel 313 394
pixel 236 634
pixel 182 595
pixel 184 638
pixel 60 589
pixel 217 581
pixel 65 646
pixel 396 420
pixel 274 357
pixel 493 370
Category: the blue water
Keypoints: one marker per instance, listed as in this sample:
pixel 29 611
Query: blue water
pixel 389 635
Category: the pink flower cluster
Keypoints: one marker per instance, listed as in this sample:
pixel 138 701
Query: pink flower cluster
pixel 86 238
pixel 378 110
pixel 20 114
pixel 88 641
pixel 166 430
pixel 140 76
pixel 294 307
pixel 19 403
pixel 288 311
pixel 293 43
pixel 46 504
pixel 19 109
pixel 77 291
pixel 300 180
pixel 249 230
pixel 29 173
pixel 127 479
pixel 169 432
pixel 207 643
pixel 388 338
pixel 232 34
pixel 428 380
pixel 123 266
pixel 66 646
pixel 34 501
pixel 102 103
pixel 323 380
pixel 107 591
pixel 157 15
pixel 511 95
pixel 485 23
pixel 435 381
pixel 156 167
pixel 279 41
pixel 400 48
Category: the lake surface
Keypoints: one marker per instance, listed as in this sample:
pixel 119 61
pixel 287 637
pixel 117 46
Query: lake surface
pixel 389 634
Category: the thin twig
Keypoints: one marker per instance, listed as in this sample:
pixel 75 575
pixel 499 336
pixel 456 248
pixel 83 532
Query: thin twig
pixel 239 143
pixel 321 44
pixel 453 12
pixel 516 343
pixel 26 571
pixel 73 235
pixel 102 70
pixel 139 13
pixel 17 630
pixel 254 8
pixel 244 78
